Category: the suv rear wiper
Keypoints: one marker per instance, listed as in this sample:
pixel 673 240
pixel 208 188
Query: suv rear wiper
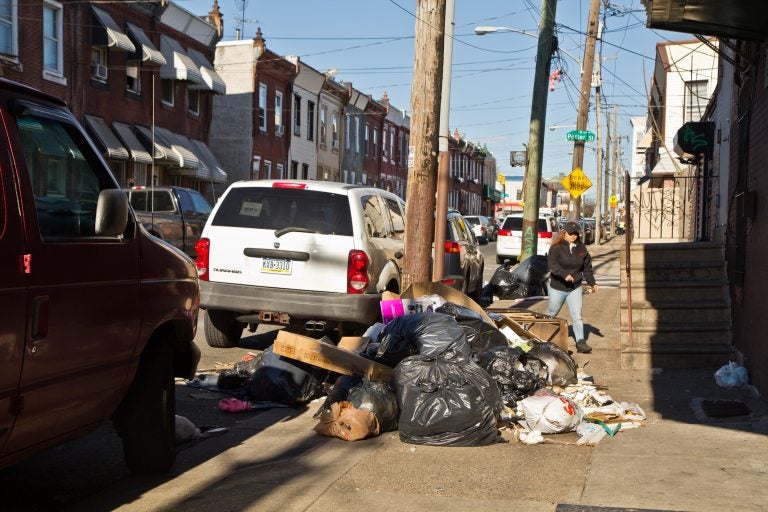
pixel 291 229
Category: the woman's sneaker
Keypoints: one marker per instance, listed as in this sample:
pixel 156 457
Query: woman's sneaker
pixel 582 347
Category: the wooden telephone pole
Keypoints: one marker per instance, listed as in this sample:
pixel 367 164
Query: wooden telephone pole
pixel 422 173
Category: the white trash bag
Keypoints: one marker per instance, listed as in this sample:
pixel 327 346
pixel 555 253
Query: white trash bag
pixel 732 375
pixel 550 414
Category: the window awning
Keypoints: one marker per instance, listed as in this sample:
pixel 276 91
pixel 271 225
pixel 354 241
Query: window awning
pixel 106 137
pixel 138 153
pixel 111 36
pixel 210 77
pixel 178 64
pixel 217 174
pixel 163 150
pixel 149 54
pixel 183 148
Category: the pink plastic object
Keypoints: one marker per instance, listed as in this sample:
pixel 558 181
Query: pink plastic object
pixel 234 405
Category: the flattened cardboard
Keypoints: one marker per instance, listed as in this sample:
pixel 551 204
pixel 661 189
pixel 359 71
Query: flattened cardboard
pixel 327 356
pixel 449 294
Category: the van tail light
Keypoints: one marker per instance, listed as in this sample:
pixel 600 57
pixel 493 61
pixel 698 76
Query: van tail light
pixel 545 234
pixel 505 232
pixel 452 247
pixel 357 272
pixel 203 250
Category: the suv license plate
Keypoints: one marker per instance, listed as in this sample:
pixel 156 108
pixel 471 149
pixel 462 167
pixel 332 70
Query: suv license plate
pixel 276 266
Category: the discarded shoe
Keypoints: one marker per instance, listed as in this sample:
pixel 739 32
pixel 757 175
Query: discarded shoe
pixel 582 347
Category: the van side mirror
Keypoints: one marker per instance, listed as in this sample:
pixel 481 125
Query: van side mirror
pixel 111 212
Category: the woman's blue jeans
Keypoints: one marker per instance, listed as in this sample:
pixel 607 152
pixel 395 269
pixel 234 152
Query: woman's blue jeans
pixel 574 301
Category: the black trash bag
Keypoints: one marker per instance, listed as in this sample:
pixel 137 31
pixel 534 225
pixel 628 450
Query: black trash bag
pixel 378 398
pixel 486 296
pixel 528 290
pixel 503 283
pixel 422 333
pixel 238 376
pixel 561 368
pixel 481 335
pixel 506 366
pixel 277 380
pixel 339 392
pixel 532 270
pixel 446 400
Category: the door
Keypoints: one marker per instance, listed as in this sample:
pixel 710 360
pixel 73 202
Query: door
pixel 13 291
pixel 83 308
pixel 194 212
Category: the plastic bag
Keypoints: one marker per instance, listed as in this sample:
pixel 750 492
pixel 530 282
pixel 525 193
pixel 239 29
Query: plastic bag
pixel 423 333
pixel 378 398
pixel 481 335
pixel 446 400
pixel 277 380
pixel 238 376
pixel 561 368
pixel 504 365
pixel 550 414
pixel 503 283
pixel 339 392
pixel 348 423
pixel 532 270
pixel 732 375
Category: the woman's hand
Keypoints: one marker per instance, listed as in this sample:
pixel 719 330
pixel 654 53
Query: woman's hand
pixel 569 278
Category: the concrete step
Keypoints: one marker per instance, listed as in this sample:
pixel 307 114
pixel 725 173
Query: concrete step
pixel 676 291
pixel 679 271
pixel 678 335
pixel 643 254
pixel 682 314
pixel 683 356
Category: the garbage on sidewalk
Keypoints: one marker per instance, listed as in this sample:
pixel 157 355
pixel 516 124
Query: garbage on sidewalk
pixel 731 375
pixel 526 280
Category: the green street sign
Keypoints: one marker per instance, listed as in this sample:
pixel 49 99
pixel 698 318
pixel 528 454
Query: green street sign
pixel 580 135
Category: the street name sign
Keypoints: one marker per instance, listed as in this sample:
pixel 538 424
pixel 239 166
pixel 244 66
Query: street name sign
pixel 576 183
pixel 580 135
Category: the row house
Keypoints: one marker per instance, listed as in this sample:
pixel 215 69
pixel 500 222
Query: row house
pixel 466 172
pixel 137 75
pixel 373 121
pixel 352 137
pixel 306 95
pixel 395 143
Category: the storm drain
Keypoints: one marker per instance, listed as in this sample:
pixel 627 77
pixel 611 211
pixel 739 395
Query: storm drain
pixel 724 408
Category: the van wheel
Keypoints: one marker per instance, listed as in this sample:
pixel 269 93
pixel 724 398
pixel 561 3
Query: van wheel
pixel 146 418
pixel 221 329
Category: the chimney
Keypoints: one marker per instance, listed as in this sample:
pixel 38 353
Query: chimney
pixel 259 42
pixel 216 19
pixel 385 100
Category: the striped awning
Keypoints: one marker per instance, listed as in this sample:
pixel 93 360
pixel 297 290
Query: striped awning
pixel 115 38
pixel 106 138
pixel 163 150
pixel 182 147
pixel 137 150
pixel 216 173
pixel 149 54
pixel 212 79
pixel 178 64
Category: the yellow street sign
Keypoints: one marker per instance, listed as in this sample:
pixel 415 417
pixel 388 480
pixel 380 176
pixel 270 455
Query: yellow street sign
pixel 613 201
pixel 502 179
pixel 576 183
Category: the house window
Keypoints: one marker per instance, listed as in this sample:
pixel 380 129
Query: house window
pixel 132 78
pixel 392 145
pixel 9 28
pixel 193 101
pixel 310 120
pixel 99 63
pixel 296 114
pixel 255 167
pixel 695 100
pixel 52 37
pixel 347 134
pixel 384 143
pixel 365 141
pixel 375 142
pixel 167 92
pixel 280 171
pixel 335 130
pixel 357 135
pixel 294 170
pixel 267 170
pixel 323 124
pixel 262 107
pixel 304 172
pixel 278 113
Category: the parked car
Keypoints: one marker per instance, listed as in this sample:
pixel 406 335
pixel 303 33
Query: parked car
pixel 174 214
pixel 464 263
pixel 482 227
pixel 588 229
pixel 98 316
pixel 313 255
pixel 510 240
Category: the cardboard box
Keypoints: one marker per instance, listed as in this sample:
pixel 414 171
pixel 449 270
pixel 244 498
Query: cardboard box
pixel 449 294
pixel 328 356
pixel 354 344
pixel 544 327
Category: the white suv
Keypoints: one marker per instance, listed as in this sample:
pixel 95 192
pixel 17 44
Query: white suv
pixel 314 255
pixel 510 238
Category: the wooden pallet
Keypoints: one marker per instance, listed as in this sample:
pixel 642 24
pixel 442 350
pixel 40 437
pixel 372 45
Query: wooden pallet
pixel 545 327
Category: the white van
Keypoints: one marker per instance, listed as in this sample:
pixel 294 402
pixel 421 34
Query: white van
pixel 510 238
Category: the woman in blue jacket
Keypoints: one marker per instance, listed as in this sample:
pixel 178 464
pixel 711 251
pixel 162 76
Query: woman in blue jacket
pixel 570 264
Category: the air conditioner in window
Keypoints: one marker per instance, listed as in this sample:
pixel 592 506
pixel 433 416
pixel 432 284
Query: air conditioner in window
pixel 279 130
pixel 99 71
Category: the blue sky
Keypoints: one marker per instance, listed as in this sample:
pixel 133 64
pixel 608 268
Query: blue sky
pixel 370 43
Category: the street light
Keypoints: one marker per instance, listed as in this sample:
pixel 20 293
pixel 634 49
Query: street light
pixel 556 126
pixel 482 30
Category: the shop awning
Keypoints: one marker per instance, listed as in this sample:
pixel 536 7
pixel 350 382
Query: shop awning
pixel 111 35
pixel 106 137
pixel 148 53
pixel 217 174
pixel 210 77
pixel 163 150
pixel 178 64
pixel 137 150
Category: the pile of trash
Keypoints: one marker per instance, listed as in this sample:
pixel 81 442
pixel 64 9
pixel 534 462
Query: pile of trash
pixel 450 375
pixel 526 280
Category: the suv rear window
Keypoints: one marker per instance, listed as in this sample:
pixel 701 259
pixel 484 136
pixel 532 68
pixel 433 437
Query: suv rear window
pixel 277 208
pixel 516 224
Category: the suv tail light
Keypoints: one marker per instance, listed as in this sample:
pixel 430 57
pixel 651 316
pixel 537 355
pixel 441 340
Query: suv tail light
pixel 545 234
pixel 288 184
pixel 203 250
pixel 357 272
pixel 452 247
pixel 505 232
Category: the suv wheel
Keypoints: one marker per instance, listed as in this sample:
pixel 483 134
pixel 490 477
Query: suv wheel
pixel 146 418
pixel 222 330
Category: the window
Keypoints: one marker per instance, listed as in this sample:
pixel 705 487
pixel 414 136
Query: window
pixel 294 170
pixel 335 130
pixel 310 120
pixel 304 172
pixel 365 140
pixel 262 107
pixel 376 220
pixel 347 135
pixel 99 63
pixel 323 124
pixel 375 142
pixel 9 27
pixel 278 112
pixel 357 135
pixel 384 143
pixel 255 167
pixel 132 78
pixel 695 100
pixel 280 172
pixel 168 92
pixel 296 114
pixel 392 145
pixel 52 37
pixel 267 170
pixel 193 101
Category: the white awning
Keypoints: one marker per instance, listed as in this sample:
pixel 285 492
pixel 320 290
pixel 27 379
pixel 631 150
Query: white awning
pixel 210 77
pixel 138 153
pixel 178 65
pixel 181 145
pixel 665 166
pixel 106 137
pixel 217 174
pixel 149 54
pixel 163 150
pixel 115 37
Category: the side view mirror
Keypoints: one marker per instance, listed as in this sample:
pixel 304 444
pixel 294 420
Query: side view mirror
pixel 111 212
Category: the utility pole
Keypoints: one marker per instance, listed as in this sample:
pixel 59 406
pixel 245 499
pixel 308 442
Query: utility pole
pixel 422 172
pixel 616 141
pixel 586 88
pixel 598 204
pixel 532 187
pixel 607 172
pixel 441 211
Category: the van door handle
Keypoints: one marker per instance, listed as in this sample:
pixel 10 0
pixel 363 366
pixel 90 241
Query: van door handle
pixel 40 308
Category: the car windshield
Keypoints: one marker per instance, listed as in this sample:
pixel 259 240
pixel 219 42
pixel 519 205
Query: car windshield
pixel 516 224
pixel 472 220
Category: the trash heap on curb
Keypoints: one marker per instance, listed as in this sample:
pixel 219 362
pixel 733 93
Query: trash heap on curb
pixel 441 371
